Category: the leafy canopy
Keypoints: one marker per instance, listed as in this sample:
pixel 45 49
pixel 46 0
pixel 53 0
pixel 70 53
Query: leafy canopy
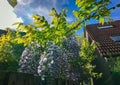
pixel 41 31
pixel 91 9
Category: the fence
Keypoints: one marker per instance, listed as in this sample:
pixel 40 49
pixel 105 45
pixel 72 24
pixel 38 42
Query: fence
pixel 14 78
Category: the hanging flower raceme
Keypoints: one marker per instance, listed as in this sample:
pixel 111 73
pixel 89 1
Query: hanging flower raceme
pixel 53 62
pixel 71 48
pixel 29 59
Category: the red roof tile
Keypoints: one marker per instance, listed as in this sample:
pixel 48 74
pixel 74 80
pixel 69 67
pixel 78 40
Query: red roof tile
pixel 106 45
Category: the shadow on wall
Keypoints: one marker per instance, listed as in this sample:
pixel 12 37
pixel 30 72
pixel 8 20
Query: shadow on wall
pixel 102 67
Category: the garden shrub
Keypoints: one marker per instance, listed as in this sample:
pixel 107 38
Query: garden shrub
pixel 51 50
pixel 64 61
pixel 114 66
pixel 9 52
pixel 30 59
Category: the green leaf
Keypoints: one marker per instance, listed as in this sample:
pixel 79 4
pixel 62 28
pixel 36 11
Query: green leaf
pixel 101 21
pixel 17 23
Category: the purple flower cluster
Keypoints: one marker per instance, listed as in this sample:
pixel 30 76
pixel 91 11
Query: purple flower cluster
pixel 29 59
pixel 56 61
pixel 72 49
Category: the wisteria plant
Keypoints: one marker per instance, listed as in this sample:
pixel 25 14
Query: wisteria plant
pixel 65 61
pixel 51 49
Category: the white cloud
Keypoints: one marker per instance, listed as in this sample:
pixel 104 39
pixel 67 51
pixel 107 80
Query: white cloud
pixel 42 10
pixel 70 19
pixel 7 16
pixel 25 8
pixel 24 2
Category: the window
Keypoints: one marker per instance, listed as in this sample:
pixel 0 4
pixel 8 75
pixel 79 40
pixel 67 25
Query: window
pixel 105 27
pixel 115 38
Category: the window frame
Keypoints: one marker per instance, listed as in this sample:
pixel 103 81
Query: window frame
pixel 105 27
pixel 115 38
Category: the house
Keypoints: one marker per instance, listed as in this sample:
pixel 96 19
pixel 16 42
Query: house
pixel 13 3
pixel 107 36
pixel 2 32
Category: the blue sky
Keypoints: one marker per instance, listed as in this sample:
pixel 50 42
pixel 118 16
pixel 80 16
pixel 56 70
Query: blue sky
pixel 25 8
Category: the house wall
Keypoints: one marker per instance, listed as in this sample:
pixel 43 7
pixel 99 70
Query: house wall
pixel 101 66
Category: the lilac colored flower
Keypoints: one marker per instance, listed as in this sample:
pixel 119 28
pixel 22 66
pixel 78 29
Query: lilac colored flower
pixel 54 61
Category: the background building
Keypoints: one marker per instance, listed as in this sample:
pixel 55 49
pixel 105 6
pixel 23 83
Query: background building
pixel 107 36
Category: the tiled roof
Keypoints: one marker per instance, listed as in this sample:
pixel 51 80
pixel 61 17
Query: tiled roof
pixel 106 45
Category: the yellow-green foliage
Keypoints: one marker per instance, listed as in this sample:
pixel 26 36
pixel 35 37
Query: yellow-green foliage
pixel 90 9
pixel 87 57
pixel 5 47
pixel 80 39
pixel 87 53
pixel 41 31
pixel 10 51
